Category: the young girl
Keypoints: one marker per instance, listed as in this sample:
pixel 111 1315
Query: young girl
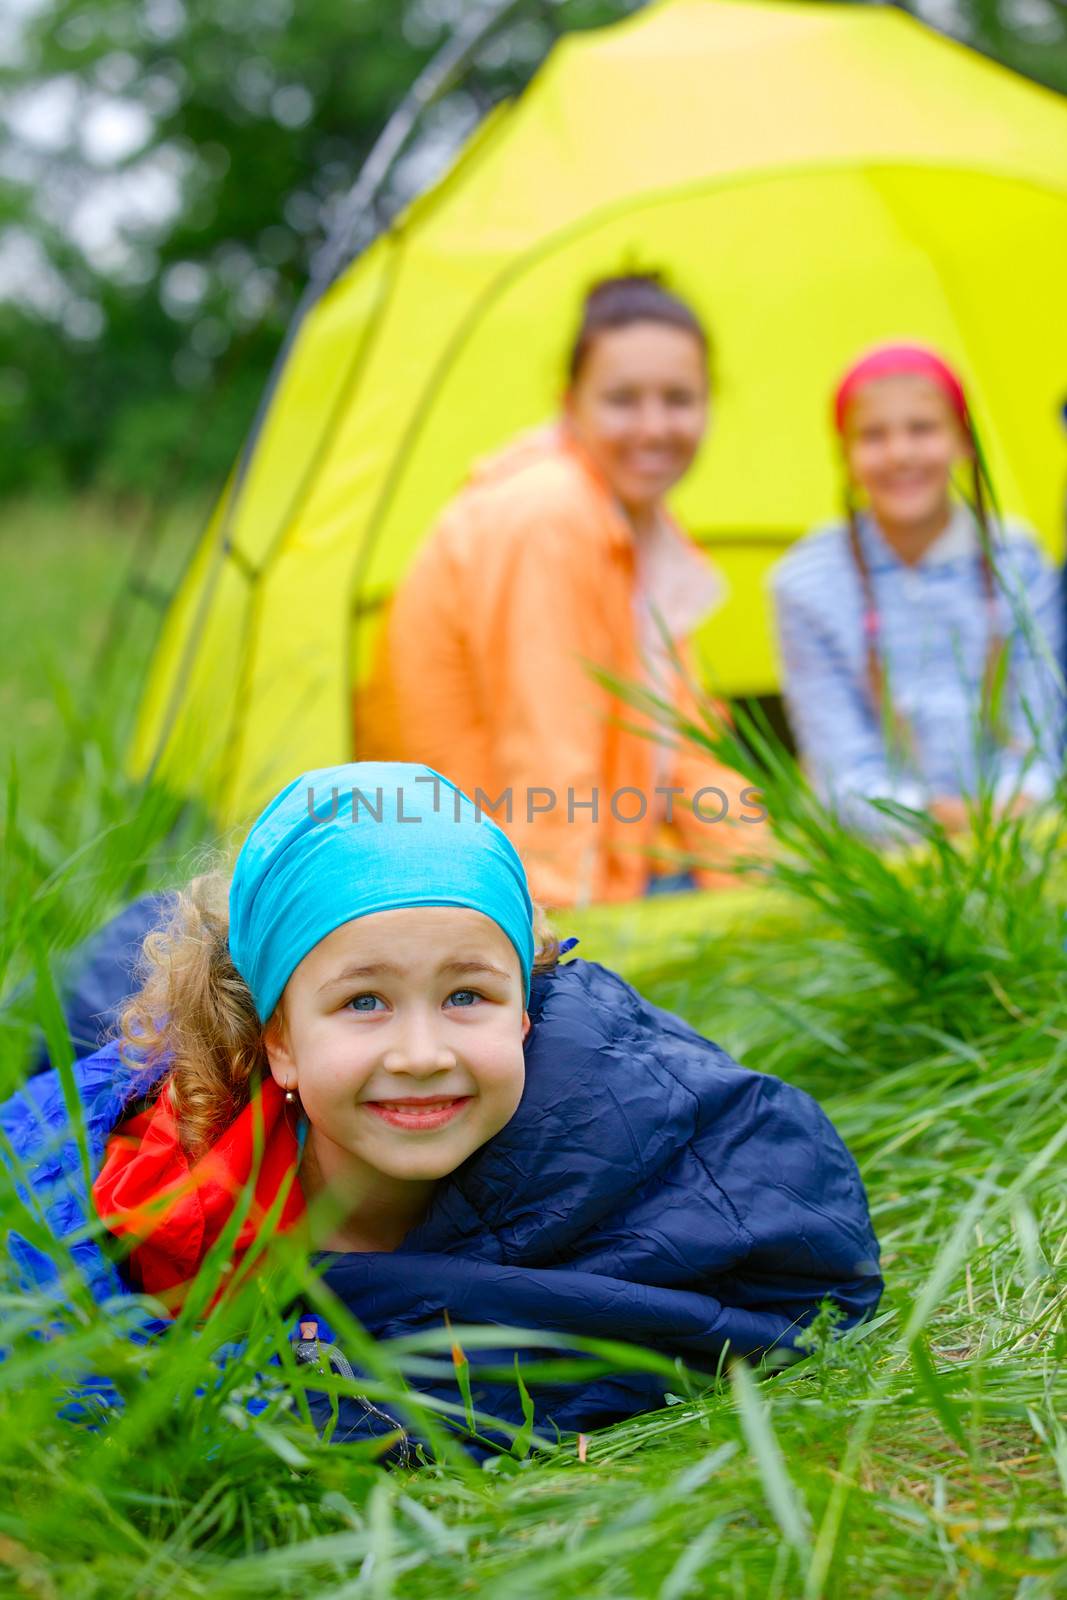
pixel 466 1126
pixel 917 638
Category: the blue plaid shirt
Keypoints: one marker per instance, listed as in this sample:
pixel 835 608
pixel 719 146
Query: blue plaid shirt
pixel 933 637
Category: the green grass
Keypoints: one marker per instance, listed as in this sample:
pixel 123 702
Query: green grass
pixel 77 642
pixel 922 1001
pixel 63 567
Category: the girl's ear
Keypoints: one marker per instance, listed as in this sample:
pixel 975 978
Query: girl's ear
pixel 526 1025
pixel 275 1043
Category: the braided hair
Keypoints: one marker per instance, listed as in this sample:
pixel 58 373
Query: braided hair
pixel 898 360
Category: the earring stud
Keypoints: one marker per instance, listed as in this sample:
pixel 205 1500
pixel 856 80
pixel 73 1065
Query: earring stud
pixel 290 1097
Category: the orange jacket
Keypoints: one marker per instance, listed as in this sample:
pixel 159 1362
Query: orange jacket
pixel 481 672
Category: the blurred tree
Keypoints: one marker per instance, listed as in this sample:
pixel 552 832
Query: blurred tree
pixel 1030 36
pixel 173 167
pixel 174 164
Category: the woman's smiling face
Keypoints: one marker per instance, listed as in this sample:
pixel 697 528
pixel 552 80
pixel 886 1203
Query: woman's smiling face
pixel 402 1033
pixel 639 408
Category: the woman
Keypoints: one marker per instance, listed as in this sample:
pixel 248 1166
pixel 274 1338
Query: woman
pixel 557 557
pixel 917 637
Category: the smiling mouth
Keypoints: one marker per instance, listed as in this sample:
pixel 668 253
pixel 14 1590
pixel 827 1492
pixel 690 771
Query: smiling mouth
pixel 418 1115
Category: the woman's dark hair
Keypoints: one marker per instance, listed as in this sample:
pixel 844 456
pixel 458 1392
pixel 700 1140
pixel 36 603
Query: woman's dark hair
pixel 619 302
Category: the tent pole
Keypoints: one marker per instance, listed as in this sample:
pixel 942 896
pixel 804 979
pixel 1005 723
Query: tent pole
pixel 435 79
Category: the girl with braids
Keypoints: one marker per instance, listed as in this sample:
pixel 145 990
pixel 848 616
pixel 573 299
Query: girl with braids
pixel 367 1039
pixel 918 637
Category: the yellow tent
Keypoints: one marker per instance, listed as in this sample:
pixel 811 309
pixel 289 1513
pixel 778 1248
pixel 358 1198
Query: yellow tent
pixel 813 177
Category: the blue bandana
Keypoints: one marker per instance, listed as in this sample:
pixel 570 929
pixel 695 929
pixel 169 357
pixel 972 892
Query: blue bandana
pixel 343 842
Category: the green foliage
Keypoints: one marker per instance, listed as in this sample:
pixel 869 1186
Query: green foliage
pixel 257 118
pixel 79 838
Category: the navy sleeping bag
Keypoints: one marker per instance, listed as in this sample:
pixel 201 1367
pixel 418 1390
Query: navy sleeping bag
pixel 103 975
pixel 648 1189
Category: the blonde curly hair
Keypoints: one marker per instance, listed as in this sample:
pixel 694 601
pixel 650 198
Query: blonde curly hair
pixel 194 1010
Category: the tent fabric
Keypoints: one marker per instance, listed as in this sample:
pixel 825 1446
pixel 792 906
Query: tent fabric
pixel 648 1189
pixel 815 178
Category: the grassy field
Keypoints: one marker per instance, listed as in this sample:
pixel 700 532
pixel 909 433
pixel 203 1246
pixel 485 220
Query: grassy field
pixel 923 1003
pixel 64 569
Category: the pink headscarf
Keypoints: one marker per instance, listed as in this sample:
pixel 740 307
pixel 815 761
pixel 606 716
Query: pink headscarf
pixel 898 360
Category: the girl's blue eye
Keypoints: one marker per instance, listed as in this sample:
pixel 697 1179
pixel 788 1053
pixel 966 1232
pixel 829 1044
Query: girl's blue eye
pixel 368 1003
pixel 356 998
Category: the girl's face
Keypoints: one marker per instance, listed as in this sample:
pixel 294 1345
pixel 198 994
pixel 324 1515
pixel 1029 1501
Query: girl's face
pixel 901 439
pixel 639 408
pixel 403 1034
